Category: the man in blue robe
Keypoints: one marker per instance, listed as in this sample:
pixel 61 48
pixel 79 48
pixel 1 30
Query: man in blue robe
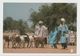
pixel 63 28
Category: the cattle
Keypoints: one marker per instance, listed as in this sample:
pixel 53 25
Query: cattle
pixel 22 41
pixel 6 39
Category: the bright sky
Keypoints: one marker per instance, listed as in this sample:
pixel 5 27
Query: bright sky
pixel 20 10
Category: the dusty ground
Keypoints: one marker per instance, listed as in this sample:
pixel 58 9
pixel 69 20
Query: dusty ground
pixel 48 49
pixel 70 49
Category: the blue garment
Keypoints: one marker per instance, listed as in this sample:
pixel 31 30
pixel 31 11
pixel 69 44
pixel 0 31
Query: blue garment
pixel 64 31
pixel 52 37
pixel 63 39
pixel 63 28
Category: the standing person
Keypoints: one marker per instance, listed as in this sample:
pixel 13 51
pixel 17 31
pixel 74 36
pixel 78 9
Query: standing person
pixel 63 28
pixel 72 37
pixel 40 34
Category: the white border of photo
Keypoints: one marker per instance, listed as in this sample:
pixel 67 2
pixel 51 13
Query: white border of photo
pixel 39 1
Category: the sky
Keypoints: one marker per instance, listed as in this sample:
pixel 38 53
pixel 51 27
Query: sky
pixel 20 10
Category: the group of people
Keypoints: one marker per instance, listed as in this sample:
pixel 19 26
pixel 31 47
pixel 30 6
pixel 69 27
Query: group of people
pixel 41 33
pixel 62 31
pixel 42 37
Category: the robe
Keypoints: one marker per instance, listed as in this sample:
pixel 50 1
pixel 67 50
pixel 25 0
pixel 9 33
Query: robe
pixel 41 32
pixel 64 31
pixel 52 39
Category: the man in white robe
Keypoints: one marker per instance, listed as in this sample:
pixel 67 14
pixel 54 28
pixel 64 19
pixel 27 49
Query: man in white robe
pixel 41 33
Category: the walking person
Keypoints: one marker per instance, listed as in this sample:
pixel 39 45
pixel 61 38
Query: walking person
pixel 52 40
pixel 40 34
pixel 63 28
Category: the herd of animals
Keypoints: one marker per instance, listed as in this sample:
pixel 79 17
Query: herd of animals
pixel 18 41
pixel 22 41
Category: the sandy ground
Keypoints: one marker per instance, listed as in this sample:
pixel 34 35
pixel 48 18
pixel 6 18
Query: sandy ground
pixel 48 49
pixel 70 49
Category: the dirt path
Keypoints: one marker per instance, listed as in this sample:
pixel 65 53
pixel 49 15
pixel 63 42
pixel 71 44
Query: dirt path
pixel 71 49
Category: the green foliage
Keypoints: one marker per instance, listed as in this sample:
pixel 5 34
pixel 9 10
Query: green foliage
pixel 51 14
pixel 20 25
pixel 8 23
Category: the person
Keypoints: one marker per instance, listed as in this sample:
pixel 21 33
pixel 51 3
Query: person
pixel 41 33
pixel 52 40
pixel 63 28
pixel 72 37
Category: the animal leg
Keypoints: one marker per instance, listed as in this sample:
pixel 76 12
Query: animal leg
pixel 4 44
pixel 8 44
pixel 28 45
pixel 23 44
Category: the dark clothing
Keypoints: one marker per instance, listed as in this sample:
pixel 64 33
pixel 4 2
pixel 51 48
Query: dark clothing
pixel 64 45
pixel 39 41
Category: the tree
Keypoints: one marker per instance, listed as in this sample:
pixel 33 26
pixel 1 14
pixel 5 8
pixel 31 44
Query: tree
pixel 51 15
pixel 10 24
pixel 7 23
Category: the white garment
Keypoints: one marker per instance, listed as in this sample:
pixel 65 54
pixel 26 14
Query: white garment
pixel 41 31
pixel 72 37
